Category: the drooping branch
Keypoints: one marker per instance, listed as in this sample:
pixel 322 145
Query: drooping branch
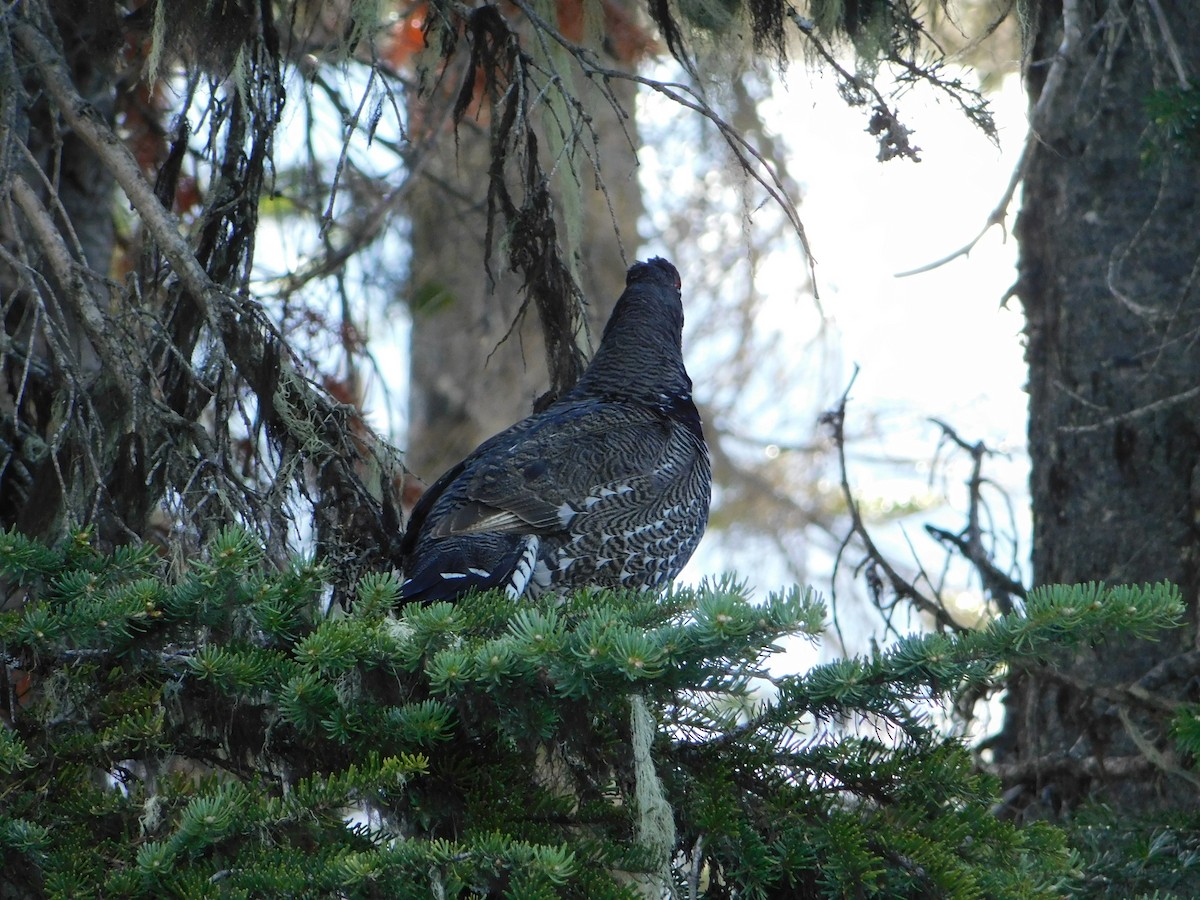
pixel 171 452
pixel 749 158
pixel 117 159
pixel 877 561
pixel 974 542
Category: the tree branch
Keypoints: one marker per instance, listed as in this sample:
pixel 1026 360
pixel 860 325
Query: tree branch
pixel 70 274
pixel 117 159
pixel 836 419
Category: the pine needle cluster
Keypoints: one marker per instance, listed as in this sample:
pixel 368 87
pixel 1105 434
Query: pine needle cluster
pixel 227 731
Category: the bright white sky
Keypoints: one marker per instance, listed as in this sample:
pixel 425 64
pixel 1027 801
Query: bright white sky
pixel 935 343
pixel 931 345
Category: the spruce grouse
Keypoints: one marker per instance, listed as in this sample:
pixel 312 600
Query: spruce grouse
pixel 607 487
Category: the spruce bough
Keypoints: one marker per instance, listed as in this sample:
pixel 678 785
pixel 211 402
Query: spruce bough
pixel 223 732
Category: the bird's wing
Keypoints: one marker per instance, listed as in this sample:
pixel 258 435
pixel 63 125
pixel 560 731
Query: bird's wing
pixel 446 494
pixel 539 478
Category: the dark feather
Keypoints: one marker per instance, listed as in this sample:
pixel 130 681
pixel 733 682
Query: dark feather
pixel 609 486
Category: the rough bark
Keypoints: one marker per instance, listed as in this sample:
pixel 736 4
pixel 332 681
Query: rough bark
pixel 479 362
pixel 58 178
pixel 1110 250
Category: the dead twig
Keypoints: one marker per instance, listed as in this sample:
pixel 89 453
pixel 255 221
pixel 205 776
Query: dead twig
pixel 876 561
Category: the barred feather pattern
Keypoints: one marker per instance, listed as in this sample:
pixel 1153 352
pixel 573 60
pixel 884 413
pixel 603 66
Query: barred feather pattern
pixel 608 487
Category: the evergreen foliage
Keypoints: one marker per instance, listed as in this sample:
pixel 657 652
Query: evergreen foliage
pixel 1129 856
pixel 226 731
pixel 1175 114
pixel 1140 856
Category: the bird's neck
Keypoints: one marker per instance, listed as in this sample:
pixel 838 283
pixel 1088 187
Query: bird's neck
pixel 637 361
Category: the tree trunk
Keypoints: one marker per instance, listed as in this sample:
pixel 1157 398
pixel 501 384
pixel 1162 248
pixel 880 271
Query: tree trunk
pixel 1110 243
pixel 43 476
pixel 475 372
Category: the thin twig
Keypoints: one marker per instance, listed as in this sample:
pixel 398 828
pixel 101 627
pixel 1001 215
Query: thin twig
pixel 969 542
pixel 1039 118
pixel 1131 415
pixel 836 419
pixel 70 275
pixel 117 159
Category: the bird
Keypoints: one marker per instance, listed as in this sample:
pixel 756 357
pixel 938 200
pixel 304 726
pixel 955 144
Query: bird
pixel 608 487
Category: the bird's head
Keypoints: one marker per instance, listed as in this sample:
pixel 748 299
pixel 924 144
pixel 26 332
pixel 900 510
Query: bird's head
pixel 651 300
pixel 655 269
pixel 640 351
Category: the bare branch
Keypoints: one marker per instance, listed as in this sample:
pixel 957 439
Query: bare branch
pixel 72 275
pixel 1039 120
pixel 117 158
pixel 998 216
pixel 1173 52
pixel 748 157
pixel 903 589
